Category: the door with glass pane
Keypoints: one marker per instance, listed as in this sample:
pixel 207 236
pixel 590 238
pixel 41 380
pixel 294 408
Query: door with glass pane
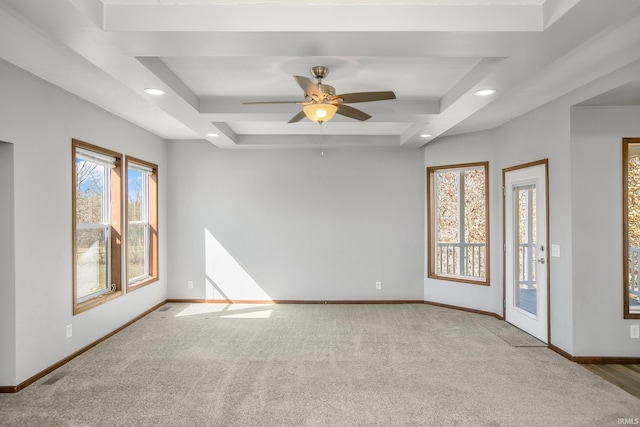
pixel 526 248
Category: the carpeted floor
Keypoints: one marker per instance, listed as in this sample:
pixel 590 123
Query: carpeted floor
pixel 318 365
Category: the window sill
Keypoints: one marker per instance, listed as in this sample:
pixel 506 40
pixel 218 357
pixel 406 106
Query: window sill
pixel 94 302
pixel 459 279
pixel 137 285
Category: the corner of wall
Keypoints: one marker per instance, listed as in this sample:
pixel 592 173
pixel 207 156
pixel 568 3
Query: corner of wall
pixel 7 269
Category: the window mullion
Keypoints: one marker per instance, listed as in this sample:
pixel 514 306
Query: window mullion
pixel 146 249
pixel 145 197
pixel 461 237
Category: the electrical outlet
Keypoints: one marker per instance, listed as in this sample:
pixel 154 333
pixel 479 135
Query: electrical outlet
pixel 634 331
pixel 190 284
pixel 69 331
pixel 378 286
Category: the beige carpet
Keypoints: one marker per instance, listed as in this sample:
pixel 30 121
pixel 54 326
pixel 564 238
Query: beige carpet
pixel 318 365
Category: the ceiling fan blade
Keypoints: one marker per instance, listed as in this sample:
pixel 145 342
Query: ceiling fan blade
pixel 353 113
pixel 271 102
pixel 297 117
pixel 310 88
pixel 349 98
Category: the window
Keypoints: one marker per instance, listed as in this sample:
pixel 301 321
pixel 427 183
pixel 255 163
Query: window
pixel 97 212
pixel 631 225
pixel 97 225
pixel 458 218
pixel 142 223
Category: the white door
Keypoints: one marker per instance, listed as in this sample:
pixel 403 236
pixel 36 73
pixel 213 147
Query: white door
pixel 526 248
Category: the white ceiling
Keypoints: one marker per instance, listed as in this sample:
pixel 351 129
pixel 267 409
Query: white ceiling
pixel 211 55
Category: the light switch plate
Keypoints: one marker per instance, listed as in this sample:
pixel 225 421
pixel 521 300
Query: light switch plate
pixel 555 251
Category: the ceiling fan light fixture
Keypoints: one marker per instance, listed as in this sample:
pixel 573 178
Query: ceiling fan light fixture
pixel 321 102
pixel 320 113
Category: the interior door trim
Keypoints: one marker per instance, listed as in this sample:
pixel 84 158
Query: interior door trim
pixel 544 162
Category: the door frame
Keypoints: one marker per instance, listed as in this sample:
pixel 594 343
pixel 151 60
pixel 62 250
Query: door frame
pixel 544 162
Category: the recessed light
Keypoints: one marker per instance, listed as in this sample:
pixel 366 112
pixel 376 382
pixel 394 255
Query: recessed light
pixel 154 91
pixel 212 135
pixel 484 92
pixel 426 135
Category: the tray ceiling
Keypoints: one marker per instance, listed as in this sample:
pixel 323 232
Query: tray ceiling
pixel 210 56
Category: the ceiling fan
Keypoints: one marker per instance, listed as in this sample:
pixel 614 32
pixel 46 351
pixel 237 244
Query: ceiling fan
pixel 321 102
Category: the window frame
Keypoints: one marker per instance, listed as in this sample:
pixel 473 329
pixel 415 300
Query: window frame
pixel 431 224
pixel 627 313
pixel 151 258
pixel 114 264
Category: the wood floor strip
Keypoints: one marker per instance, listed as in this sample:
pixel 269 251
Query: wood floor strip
pixel 627 376
pixel 635 368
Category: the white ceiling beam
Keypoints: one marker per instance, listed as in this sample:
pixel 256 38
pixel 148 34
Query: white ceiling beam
pixel 317 44
pixel 552 10
pixel 323 17
pixel 93 9
pixel 157 67
pixel 417 107
pixel 285 117
pixel 317 141
pixel 470 81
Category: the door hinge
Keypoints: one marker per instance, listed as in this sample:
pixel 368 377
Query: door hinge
pixel 504 303
pixel 504 248
pixel 504 192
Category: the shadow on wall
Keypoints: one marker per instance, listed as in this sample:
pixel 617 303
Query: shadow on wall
pixel 225 278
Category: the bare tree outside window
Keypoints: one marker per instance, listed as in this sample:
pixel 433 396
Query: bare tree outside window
pixel 631 221
pixel 92 228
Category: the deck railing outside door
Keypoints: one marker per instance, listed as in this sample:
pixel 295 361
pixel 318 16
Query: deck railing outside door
pixel 527 260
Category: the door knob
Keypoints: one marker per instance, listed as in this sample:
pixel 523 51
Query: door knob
pixel 541 260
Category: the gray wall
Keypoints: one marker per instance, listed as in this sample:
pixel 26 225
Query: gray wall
pixel 40 120
pixel 544 134
pixel 541 134
pixel 477 147
pixel 7 271
pixel 295 225
pixel 583 145
pixel 596 173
